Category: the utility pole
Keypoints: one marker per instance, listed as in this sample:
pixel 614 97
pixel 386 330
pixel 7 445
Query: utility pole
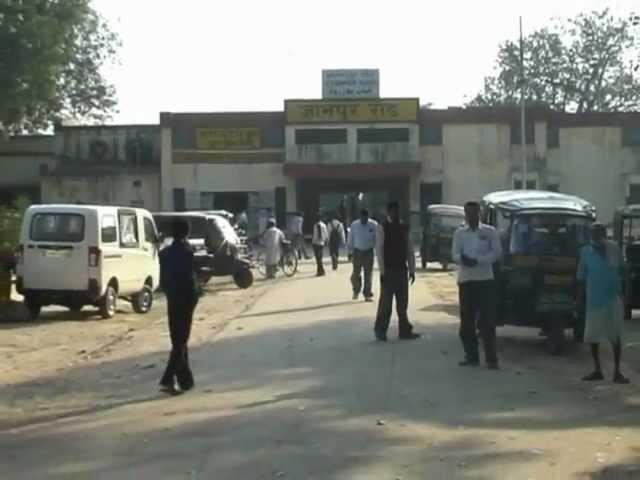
pixel 523 106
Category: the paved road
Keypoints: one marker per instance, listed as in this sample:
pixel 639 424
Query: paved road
pixel 295 388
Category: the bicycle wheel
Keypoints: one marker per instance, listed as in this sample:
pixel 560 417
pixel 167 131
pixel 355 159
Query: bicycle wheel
pixel 262 268
pixel 290 264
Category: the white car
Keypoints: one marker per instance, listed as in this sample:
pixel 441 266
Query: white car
pixel 77 255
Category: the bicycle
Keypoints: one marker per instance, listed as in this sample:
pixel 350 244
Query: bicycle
pixel 288 261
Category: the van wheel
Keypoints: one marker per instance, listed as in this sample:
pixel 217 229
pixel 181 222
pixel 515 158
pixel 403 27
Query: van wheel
pixel 108 303
pixel 142 301
pixel 33 306
pixel 243 278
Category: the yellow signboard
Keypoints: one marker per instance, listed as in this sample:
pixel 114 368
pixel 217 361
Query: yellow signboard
pixel 228 138
pixel 349 111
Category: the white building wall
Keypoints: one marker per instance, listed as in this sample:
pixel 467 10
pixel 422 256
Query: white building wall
pixel 121 190
pixel 476 160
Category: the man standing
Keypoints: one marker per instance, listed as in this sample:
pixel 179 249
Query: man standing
pixel 476 247
pixel 600 274
pixel 297 235
pixel 272 239
pixel 336 239
pixel 397 264
pixel 319 240
pixel 362 240
pixel 177 279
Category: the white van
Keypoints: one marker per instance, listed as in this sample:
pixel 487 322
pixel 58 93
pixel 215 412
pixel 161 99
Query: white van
pixel 77 255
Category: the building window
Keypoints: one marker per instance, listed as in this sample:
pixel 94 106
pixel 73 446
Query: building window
pixel 530 133
pixel 553 136
pixel 383 135
pixel 531 184
pixel 273 137
pixel 321 136
pixel 431 135
pixel 631 136
pixel 634 194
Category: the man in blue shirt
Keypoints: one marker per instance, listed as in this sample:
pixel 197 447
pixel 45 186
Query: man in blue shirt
pixel 600 276
pixel 178 281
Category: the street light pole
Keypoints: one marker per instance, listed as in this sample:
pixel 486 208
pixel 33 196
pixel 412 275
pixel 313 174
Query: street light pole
pixel 523 106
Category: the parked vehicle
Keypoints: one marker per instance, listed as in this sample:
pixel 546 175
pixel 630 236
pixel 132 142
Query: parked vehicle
pixel 77 255
pixel 542 234
pixel 215 243
pixel 440 223
pixel 626 233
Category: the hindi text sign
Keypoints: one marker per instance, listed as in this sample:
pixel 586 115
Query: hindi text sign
pixel 350 83
pixel 228 138
pixel 352 111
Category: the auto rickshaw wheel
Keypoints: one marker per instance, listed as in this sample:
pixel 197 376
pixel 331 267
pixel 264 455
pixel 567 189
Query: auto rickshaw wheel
pixel 556 339
pixel 243 278
pixel 445 266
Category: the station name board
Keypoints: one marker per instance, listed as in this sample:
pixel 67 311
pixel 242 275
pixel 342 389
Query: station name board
pixel 228 138
pixel 352 111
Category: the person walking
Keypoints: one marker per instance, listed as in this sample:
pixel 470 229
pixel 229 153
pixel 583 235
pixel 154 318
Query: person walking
pixel 476 247
pixel 397 264
pixel 600 273
pixel 178 281
pixel 319 240
pixel 297 236
pixel 336 240
pixel 272 239
pixel 361 243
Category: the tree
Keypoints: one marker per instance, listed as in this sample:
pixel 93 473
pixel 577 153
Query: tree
pixel 584 64
pixel 52 53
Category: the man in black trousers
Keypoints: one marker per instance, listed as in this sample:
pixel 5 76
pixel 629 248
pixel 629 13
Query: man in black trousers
pixel 397 264
pixel 178 281
pixel 476 247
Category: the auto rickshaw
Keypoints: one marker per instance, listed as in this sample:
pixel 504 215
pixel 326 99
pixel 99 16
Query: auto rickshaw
pixel 440 223
pixel 215 243
pixel 626 233
pixel 542 234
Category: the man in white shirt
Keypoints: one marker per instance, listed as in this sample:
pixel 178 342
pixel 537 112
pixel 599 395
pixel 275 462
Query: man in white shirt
pixel 319 240
pixel 397 264
pixel 297 235
pixel 272 238
pixel 362 240
pixel 336 239
pixel 476 247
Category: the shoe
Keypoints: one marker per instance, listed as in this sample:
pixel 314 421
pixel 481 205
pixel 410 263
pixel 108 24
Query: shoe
pixel 621 379
pixel 368 299
pixel 409 336
pixel 355 296
pixel 469 363
pixel 593 377
pixel 381 337
pixel 493 366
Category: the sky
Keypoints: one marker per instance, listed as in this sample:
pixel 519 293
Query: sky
pixel 246 55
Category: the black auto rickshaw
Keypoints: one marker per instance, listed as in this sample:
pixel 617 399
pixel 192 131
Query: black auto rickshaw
pixel 215 244
pixel 626 233
pixel 440 223
pixel 542 234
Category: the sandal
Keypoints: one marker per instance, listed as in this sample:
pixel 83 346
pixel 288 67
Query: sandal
pixel 593 377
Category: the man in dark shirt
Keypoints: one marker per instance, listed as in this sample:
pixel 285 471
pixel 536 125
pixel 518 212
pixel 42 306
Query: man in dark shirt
pixel 177 279
pixel 397 264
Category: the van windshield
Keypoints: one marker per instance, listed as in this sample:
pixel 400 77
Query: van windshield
pixel 446 223
pixel 549 234
pixel 57 227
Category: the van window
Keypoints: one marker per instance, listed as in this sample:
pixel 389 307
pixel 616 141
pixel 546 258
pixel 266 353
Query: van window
pixel 150 235
pixel 128 229
pixel 109 232
pixel 57 227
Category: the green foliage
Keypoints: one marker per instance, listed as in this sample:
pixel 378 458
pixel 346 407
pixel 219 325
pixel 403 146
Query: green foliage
pixel 51 56
pixel 582 64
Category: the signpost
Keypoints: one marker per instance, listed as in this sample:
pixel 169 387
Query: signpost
pixel 350 83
